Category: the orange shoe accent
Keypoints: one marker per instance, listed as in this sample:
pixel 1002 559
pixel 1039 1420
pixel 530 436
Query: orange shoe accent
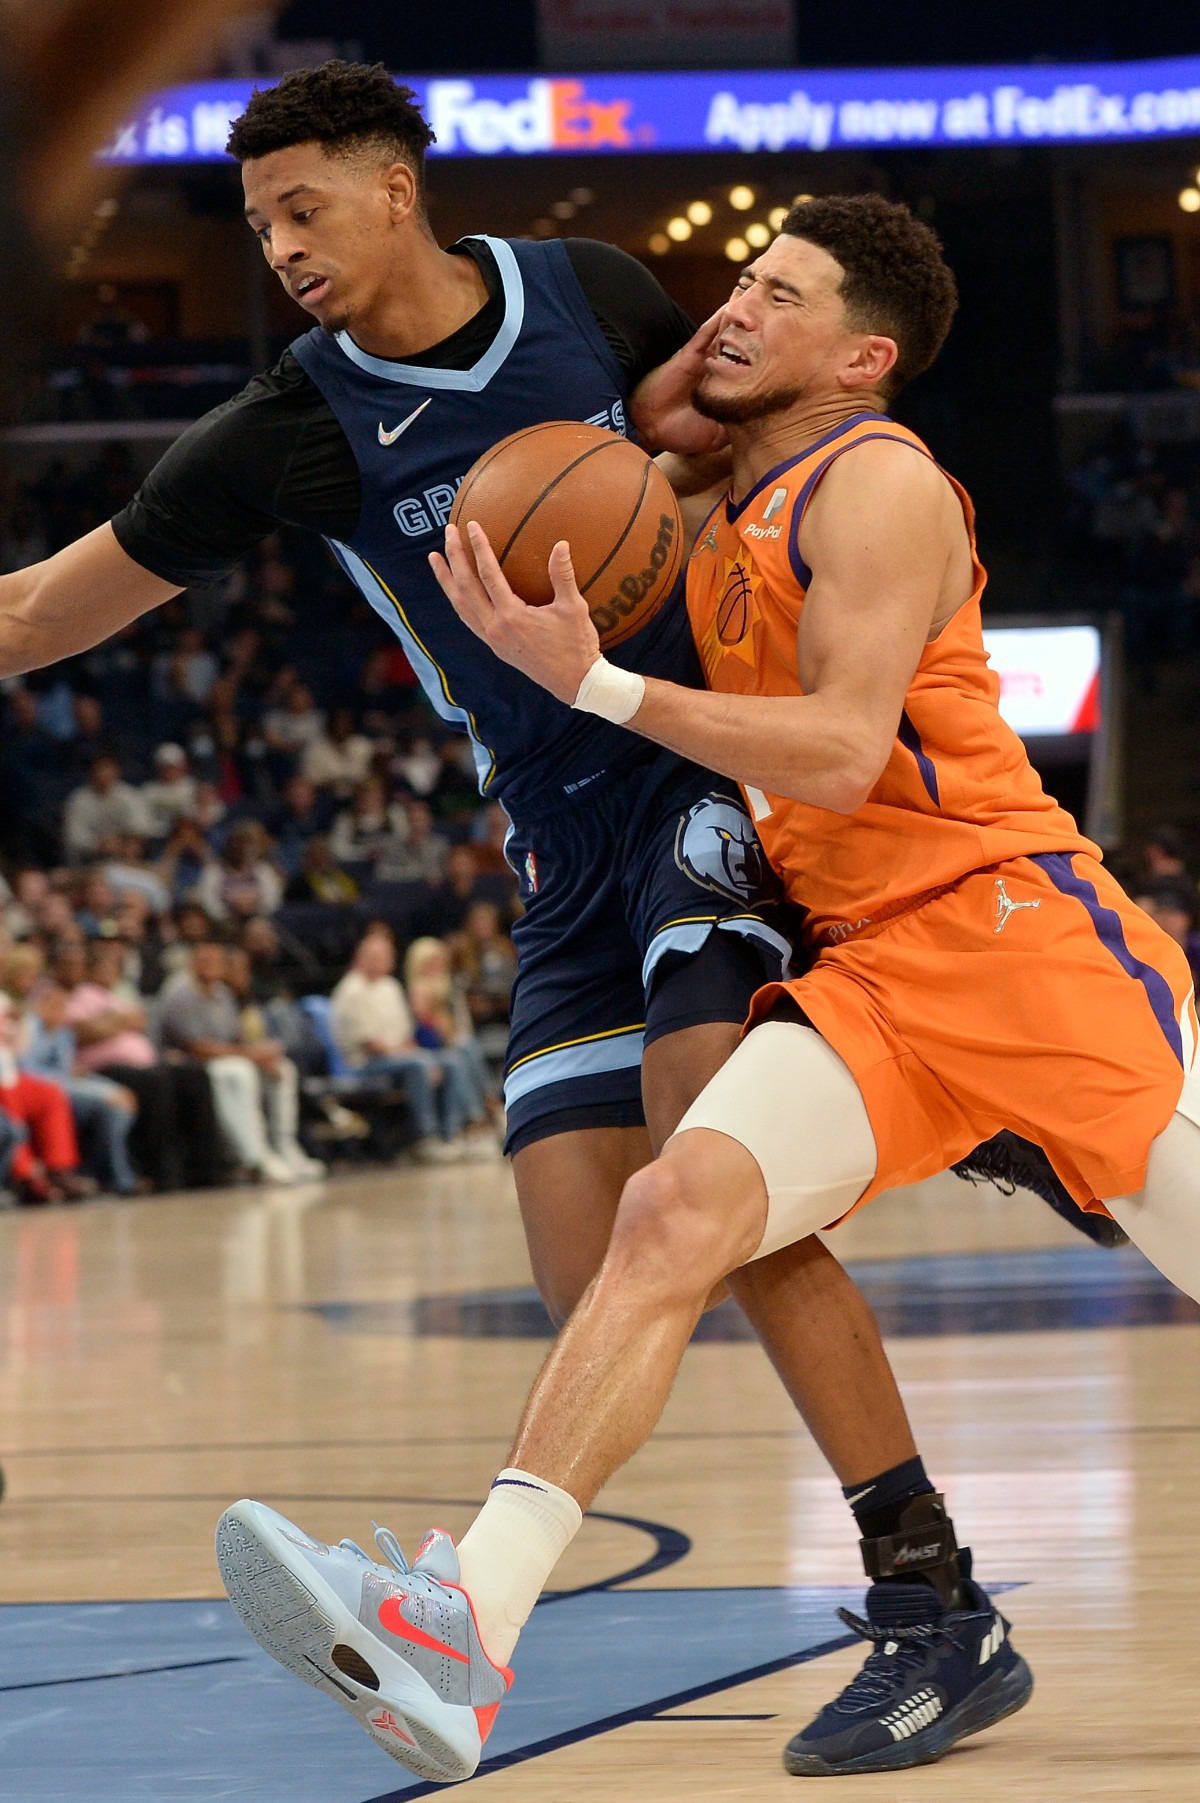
pixel 485 1716
pixel 384 1722
pixel 392 1618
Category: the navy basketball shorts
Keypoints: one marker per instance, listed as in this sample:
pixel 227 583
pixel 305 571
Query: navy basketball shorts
pixel 650 907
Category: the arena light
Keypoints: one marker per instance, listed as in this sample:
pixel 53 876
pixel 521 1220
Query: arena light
pixel 679 229
pixel 741 198
pixel 583 197
pixel 776 217
pixel 737 250
pixel 659 243
pixel 699 212
pixel 564 209
pixel 758 234
pixel 1189 199
pixel 800 200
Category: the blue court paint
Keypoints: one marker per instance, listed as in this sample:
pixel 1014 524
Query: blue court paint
pixel 161 1702
pixel 1059 1287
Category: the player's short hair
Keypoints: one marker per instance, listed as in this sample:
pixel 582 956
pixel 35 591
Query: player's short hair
pixel 896 280
pixel 347 108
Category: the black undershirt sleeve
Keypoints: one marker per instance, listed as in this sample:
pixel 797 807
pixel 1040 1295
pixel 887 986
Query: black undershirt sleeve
pixel 272 456
pixel 638 318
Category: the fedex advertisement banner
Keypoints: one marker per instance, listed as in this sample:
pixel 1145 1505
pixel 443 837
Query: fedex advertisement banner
pixel 1049 677
pixel 776 109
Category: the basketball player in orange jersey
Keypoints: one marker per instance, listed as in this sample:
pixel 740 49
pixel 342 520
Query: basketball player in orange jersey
pixel 974 965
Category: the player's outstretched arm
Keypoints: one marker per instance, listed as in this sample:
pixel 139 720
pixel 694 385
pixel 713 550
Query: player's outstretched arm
pixel 879 541
pixel 72 601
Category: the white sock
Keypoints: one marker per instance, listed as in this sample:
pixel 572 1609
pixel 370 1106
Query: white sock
pixel 509 1551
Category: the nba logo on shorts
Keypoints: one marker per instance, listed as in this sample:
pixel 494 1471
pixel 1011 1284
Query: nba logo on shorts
pixel 531 872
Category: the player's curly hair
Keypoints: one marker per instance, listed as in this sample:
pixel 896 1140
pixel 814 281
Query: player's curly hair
pixel 896 280
pixel 346 107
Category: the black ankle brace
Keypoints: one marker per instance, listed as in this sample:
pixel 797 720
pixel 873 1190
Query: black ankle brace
pixel 923 1547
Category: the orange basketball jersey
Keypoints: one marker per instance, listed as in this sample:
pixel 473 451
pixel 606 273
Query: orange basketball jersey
pixel 958 792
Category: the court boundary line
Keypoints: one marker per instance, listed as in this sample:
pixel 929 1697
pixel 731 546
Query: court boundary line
pixel 749 1433
pixel 139 1671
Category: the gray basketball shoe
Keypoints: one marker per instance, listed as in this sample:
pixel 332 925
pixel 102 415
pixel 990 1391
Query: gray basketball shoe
pixel 397 1647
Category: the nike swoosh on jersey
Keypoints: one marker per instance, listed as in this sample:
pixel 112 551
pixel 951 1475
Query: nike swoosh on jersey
pixel 386 437
pixel 390 1617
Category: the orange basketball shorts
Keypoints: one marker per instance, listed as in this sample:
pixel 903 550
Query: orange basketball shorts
pixel 1032 995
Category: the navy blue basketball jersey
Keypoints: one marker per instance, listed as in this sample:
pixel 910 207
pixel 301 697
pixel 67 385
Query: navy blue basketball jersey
pixel 415 432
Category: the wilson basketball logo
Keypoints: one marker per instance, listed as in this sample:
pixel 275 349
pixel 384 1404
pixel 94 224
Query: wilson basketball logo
pixel 633 589
pixel 734 607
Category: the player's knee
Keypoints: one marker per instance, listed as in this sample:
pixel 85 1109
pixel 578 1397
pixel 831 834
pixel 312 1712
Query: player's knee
pixel 560 1291
pixel 668 1233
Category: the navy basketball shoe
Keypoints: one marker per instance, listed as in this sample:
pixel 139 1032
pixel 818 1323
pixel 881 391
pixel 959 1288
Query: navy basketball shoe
pixel 941 1664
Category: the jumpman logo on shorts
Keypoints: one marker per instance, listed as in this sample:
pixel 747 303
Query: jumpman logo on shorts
pixel 1006 907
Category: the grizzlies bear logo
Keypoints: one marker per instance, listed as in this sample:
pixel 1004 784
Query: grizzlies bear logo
pixel 716 846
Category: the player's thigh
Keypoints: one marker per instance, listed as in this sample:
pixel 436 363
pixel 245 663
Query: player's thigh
pixel 676 1067
pixel 568 1186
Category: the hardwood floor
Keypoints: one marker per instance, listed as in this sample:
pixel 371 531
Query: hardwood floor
pixel 164 1357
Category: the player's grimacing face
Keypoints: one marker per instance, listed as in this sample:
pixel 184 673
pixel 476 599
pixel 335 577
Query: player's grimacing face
pixel 323 222
pixel 783 335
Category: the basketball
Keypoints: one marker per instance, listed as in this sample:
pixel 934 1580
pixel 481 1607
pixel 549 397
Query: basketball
pixel 602 494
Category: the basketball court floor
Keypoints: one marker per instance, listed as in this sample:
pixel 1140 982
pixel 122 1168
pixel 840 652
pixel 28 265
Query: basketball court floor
pixel 358 1351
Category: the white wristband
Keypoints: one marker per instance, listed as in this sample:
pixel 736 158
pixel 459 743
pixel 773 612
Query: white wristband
pixel 611 692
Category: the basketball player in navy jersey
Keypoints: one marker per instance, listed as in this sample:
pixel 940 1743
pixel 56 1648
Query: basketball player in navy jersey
pixel 642 940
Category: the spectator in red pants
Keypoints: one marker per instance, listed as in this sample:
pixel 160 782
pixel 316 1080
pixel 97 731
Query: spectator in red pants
pixel 45 1165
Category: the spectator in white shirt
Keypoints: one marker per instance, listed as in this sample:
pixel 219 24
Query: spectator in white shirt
pixel 370 823
pixel 296 724
pixel 419 766
pixel 129 873
pixel 420 857
pixel 102 810
pixel 254 1084
pixel 374 1030
pixel 244 883
pixel 339 758
pixel 171 794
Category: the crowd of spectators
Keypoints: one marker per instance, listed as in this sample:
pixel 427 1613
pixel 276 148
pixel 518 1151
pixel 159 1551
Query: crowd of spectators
pixel 240 804
pixel 1151 351
pixel 1132 537
pixel 1163 876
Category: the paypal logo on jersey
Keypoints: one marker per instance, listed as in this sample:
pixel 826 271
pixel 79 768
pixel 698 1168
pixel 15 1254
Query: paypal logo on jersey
pixel 426 513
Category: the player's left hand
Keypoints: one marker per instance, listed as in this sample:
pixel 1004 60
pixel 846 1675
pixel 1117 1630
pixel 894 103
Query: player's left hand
pixel 661 404
pixel 554 646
